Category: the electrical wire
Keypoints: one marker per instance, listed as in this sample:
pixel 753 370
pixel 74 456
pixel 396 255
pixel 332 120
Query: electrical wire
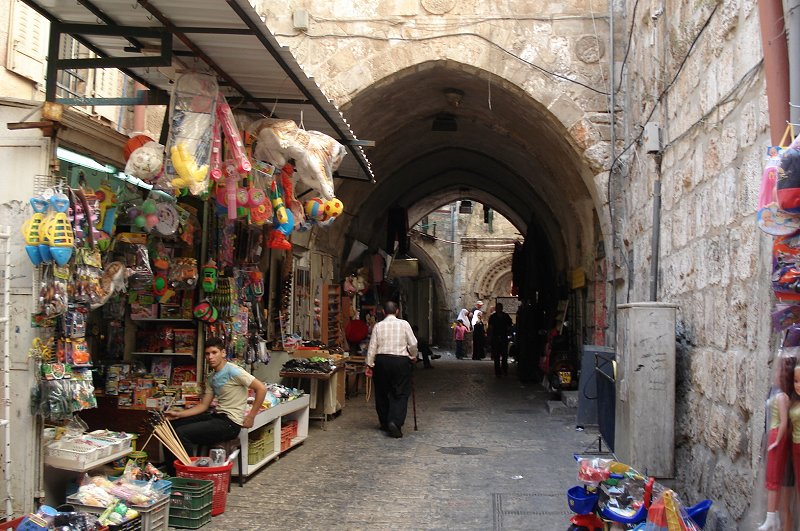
pixel 730 96
pixel 667 88
pixel 459 34
pixel 627 47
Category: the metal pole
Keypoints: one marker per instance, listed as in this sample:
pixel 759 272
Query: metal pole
pixel 6 320
pixel 414 402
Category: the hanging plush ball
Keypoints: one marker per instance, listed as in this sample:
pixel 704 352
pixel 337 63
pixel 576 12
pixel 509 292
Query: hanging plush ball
pixel 140 221
pixel 315 208
pixel 333 207
pixel 133 144
pixel 150 221
pixel 133 213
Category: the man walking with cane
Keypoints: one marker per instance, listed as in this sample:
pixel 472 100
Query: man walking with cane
pixel 390 361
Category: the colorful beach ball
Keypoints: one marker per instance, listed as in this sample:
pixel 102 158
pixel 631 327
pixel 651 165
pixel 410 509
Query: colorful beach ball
pixel 315 208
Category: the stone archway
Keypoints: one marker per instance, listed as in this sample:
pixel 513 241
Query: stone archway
pixel 493 276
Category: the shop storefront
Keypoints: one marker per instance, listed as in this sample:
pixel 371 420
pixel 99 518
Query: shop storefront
pixel 142 249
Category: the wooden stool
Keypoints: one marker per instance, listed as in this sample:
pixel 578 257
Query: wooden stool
pixel 228 446
pixel 354 366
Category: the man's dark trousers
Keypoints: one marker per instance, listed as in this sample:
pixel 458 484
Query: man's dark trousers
pixel 392 381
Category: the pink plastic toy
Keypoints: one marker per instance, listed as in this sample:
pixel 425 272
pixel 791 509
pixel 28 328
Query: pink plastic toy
pixel 225 118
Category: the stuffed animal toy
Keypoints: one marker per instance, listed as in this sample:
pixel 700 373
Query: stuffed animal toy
pixel 316 154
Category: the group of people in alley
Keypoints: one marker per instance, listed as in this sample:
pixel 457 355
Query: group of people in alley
pixel 393 349
pixel 497 329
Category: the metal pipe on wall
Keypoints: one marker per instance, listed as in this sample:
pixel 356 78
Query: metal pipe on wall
pixel 776 65
pixel 6 320
pixel 610 339
pixel 656 237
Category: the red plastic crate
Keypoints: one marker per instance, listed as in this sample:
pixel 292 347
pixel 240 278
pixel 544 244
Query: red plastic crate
pixel 220 475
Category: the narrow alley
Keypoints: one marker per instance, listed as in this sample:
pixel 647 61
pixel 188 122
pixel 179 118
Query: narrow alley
pixel 487 455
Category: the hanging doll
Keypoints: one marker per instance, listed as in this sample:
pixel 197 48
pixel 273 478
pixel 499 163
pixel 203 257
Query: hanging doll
pixel 787 380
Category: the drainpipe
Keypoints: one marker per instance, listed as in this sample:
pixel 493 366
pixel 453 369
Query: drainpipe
pixel 656 240
pixel 610 338
pixel 776 65
pixel 793 15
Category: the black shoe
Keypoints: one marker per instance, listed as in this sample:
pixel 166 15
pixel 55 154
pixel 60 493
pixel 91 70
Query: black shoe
pixel 436 356
pixel 394 430
pixel 383 427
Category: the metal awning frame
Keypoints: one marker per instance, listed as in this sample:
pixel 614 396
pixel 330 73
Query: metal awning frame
pixel 164 57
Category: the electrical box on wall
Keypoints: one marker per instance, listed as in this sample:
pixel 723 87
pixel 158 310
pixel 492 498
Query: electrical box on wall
pixel 651 137
pixel 300 19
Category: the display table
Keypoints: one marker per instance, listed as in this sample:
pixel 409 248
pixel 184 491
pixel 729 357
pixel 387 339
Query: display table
pixel 296 409
pixel 328 386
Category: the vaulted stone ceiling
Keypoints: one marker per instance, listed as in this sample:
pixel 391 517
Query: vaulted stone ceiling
pixel 508 153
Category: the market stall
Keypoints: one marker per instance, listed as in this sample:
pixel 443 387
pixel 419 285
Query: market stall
pixel 193 240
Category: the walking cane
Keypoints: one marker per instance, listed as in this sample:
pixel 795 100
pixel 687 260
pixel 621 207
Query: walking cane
pixel 414 403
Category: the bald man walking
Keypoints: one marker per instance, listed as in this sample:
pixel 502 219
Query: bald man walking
pixel 390 361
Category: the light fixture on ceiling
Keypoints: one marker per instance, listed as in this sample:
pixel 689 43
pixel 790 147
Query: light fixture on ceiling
pixel 465 207
pixel 454 97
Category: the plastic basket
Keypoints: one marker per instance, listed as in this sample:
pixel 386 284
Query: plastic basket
pixel 191 522
pixel 151 518
pixel 580 501
pixel 220 475
pixel 160 485
pixel 131 525
pixel 190 503
pixel 11 524
pixel 77 452
pixel 255 451
pixel 190 493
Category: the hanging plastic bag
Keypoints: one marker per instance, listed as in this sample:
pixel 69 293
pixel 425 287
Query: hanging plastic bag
pixel 188 150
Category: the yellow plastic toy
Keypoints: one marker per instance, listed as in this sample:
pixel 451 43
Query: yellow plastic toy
pixel 189 174
pixel 58 233
pixel 277 205
pixel 31 230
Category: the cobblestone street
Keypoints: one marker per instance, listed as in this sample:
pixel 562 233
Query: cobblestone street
pixel 487 455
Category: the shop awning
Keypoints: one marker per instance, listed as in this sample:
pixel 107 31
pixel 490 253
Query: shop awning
pixel 154 40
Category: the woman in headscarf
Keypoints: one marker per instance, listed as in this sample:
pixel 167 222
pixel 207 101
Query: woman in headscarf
pixel 463 316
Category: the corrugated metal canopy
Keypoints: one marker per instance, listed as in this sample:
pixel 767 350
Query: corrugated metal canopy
pixel 226 37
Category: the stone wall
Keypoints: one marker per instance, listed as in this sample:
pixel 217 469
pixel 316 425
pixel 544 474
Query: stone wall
pixel 693 68
pixel 713 261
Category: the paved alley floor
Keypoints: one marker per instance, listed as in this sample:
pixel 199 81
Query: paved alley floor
pixel 487 455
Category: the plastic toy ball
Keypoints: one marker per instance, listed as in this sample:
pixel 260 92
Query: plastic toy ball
pixel 315 208
pixel 149 207
pixel 150 221
pixel 140 221
pixel 133 144
pixel 333 207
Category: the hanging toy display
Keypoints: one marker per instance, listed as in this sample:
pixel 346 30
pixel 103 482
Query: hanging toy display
pixel 259 202
pixel 284 221
pixel 145 162
pixel 315 209
pixel 192 112
pixel 209 281
pixel 168 219
pixel 59 235
pixel 31 230
pixel 228 124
